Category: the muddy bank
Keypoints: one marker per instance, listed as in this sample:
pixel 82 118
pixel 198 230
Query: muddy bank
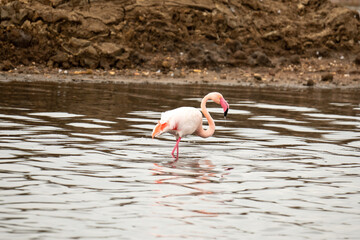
pixel 310 73
pixel 170 35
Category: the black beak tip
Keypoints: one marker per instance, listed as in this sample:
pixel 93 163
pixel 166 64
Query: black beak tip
pixel 226 112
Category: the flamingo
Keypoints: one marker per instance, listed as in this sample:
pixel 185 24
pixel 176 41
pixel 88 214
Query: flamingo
pixel 184 121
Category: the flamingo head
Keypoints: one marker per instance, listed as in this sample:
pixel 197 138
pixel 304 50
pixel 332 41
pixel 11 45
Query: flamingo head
pixel 159 129
pixel 219 99
pixel 224 105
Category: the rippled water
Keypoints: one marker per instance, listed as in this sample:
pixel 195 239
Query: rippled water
pixel 77 162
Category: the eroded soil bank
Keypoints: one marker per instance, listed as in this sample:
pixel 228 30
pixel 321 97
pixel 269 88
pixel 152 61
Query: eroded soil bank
pixel 304 42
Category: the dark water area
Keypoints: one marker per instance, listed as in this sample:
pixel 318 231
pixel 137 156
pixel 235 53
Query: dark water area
pixel 77 161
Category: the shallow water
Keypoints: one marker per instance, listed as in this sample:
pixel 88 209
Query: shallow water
pixel 77 162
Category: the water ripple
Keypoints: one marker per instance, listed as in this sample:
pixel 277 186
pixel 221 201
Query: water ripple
pixel 276 168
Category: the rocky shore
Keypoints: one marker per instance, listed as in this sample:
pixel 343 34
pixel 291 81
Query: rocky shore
pixel 251 42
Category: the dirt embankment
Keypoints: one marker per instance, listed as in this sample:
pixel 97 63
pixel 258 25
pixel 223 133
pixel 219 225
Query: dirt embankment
pixel 174 34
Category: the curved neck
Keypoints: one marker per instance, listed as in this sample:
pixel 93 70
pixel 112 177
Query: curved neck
pixel 211 129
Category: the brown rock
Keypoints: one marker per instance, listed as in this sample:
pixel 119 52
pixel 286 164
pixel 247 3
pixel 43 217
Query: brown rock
pixel 282 61
pixel 328 77
pixel 6 65
pixel 294 59
pixel 233 45
pixel 88 57
pixel 105 63
pixel 109 49
pixel 19 38
pixel 239 54
pixel 257 77
pixel 272 36
pixel 148 47
pixel 6 13
pixel 260 59
pixel 357 60
pixel 89 63
pixel 79 43
pixel 166 64
pixel 310 83
pixel 60 57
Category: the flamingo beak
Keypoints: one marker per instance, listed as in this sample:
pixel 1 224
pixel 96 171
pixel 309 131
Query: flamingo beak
pixel 224 105
pixel 157 130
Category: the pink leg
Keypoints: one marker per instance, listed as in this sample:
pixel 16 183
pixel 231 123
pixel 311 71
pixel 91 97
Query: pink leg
pixel 177 151
pixel 177 148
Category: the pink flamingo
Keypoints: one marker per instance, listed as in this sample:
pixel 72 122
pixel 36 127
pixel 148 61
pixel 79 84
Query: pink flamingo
pixel 188 120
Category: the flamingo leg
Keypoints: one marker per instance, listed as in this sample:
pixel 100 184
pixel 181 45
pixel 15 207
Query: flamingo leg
pixel 177 148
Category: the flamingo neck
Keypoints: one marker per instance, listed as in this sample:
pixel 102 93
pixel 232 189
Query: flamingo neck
pixel 211 129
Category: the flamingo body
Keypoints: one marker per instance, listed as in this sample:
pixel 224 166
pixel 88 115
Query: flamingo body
pixel 188 120
pixel 181 121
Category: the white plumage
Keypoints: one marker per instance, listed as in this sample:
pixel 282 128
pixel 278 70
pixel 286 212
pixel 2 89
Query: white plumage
pixel 181 121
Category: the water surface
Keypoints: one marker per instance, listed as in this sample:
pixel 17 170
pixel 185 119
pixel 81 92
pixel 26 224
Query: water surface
pixel 77 162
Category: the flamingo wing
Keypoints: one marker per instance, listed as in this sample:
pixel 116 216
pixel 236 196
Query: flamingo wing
pixel 179 122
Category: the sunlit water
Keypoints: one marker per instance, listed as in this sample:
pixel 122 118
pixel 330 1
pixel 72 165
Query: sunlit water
pixel 77 162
